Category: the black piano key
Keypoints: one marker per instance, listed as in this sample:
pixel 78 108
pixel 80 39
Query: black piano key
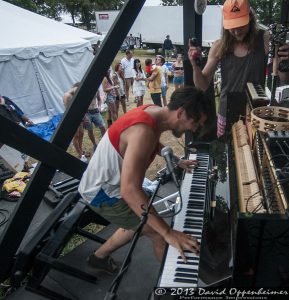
pixel 189 258
pixel 198 182
pixel 194 222
pixel 194 214
pixel 198 212
pixel 189 263
pixel 185 275
pixel 194 271
pixel 186 280
pixel 192 232
pixel 189 226
pixel 195 204
pixel 197 198
pixel 195 208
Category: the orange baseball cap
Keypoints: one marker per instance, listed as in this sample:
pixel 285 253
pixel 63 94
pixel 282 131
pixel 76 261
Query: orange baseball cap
pixel 236 13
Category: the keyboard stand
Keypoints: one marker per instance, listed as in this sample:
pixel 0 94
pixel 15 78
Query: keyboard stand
pixel 169 205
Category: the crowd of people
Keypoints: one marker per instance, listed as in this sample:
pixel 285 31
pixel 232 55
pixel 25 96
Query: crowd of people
pixel 129 78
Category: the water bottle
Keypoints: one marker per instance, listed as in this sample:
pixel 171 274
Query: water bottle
pixel 83 158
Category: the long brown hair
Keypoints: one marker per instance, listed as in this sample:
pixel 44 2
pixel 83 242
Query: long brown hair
pixel 227 41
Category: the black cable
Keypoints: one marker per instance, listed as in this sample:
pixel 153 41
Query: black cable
pixel 251 197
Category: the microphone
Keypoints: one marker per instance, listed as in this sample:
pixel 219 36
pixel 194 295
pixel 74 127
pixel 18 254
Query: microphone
pixel 167 154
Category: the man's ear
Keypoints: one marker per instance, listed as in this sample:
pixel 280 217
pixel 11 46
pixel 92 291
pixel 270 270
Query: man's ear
pixel 180 112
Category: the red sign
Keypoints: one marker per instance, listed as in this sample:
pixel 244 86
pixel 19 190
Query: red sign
pixel 103 16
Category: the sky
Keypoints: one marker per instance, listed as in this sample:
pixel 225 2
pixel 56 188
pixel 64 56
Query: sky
pixel 152 2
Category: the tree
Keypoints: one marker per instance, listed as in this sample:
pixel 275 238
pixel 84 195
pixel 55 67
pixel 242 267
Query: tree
pixel 26 4
pixel 180 2
pixel 84 9
pixel 267 11
pixel 172 2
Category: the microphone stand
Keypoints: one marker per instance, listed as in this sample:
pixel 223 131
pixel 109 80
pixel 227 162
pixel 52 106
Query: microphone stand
pixel 111 293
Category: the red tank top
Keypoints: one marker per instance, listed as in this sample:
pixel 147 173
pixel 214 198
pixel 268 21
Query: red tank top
pixel 132 117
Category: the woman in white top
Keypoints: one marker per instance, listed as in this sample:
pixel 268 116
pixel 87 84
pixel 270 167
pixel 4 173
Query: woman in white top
pixel 118 79
pixel 139 86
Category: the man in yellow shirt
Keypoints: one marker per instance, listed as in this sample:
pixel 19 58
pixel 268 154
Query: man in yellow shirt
pixel 155 85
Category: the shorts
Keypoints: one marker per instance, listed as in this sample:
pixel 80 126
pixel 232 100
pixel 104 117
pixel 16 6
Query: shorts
pixel 94 117
pixel 178 80
pixel 164 90
pixel 119 98
pixel 129 81
pixel 119 214
pixel 156 97
pixel 168 53
pixel 110 99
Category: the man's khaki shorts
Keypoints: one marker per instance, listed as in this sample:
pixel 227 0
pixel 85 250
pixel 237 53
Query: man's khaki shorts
pixel 129 81
pixel 119 214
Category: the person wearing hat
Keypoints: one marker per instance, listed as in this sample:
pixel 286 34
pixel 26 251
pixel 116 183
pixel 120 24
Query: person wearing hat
pixel 241 52
pixel 168 48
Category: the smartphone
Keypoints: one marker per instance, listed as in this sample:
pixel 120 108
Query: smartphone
pixel 194 42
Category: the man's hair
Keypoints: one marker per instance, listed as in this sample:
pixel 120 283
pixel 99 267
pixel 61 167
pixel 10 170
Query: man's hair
pixel 227 40
pixel 127 52
pixel 192 100
pixel 148 62
pixel 162 59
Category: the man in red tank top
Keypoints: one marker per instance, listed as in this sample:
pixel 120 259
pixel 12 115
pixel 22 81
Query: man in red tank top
pixel 112 183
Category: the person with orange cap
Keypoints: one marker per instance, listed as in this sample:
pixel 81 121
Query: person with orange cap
pixel 241 52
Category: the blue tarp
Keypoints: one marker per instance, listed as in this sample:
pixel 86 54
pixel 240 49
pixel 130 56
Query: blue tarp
pixel 46 129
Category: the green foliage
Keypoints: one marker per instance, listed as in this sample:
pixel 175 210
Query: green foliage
pixel 267 11
pixel 26 4
pixel 180 2
pixel 76 8
pixel 172 2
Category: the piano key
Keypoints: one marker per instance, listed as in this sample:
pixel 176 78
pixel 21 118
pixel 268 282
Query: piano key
pixel 181 280
pixel 186 270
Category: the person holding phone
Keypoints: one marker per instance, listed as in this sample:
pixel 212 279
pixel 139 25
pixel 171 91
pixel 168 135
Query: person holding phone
pixel 241 52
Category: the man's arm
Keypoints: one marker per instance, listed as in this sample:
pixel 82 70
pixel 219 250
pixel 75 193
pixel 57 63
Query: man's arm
pixel 136 160
pixel 26 120
pixel 98 100
pixel 66 99
pixel 283 55
pixel 154 75
pixel 203 77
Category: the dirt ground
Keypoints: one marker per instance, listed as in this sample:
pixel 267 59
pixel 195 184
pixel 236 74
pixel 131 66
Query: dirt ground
pixel 167 138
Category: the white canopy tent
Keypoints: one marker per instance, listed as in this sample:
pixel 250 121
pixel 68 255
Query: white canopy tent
pixel 40 59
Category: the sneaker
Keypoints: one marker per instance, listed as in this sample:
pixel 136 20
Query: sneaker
pixel 106 264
